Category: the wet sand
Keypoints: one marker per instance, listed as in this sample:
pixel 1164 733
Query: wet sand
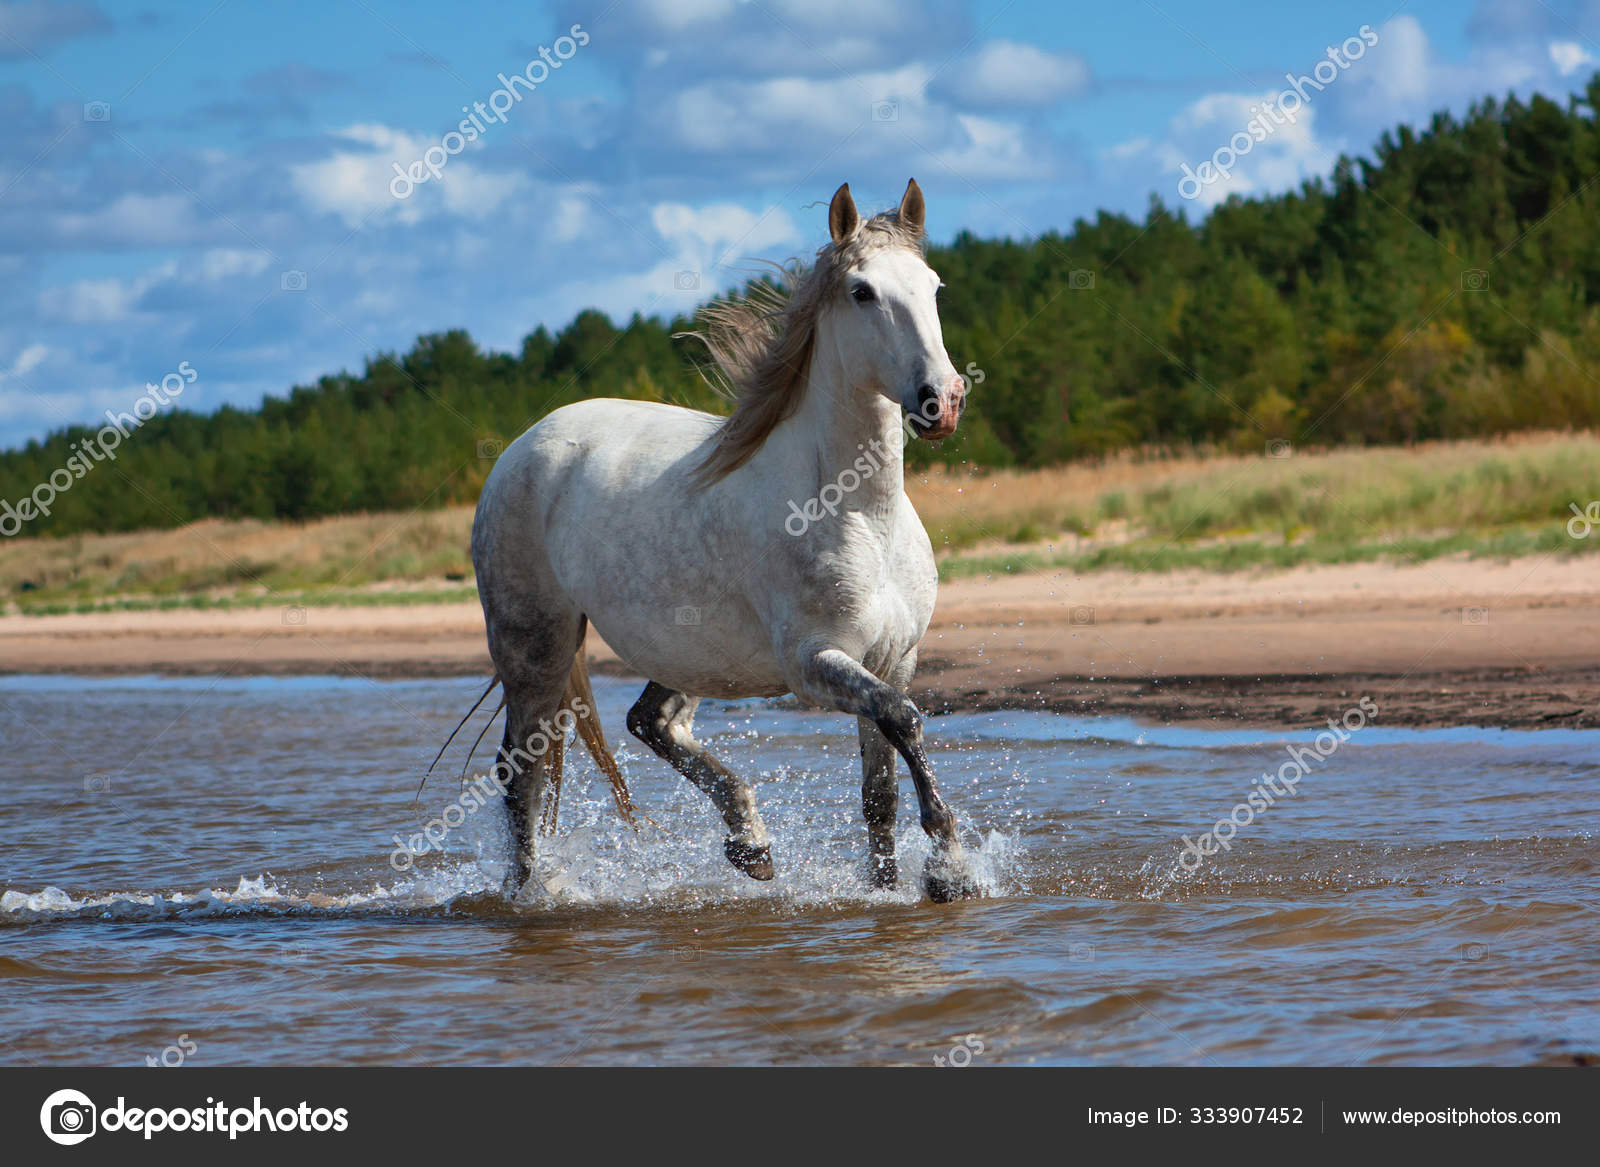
pixel 1450 642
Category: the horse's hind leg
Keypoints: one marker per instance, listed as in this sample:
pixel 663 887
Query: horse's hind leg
pixel 663 719
pixel 534 665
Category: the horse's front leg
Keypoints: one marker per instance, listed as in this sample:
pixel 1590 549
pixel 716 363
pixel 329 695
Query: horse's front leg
pixel 830 677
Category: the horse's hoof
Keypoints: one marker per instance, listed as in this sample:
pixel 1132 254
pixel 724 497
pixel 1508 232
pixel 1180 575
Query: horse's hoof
pixel 756 862
pixel 516 878
pixel 882 872
pixel 947 885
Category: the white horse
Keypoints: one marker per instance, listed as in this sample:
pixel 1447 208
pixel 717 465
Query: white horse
pixel 773 551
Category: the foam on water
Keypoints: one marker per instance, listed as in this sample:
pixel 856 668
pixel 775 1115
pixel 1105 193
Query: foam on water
pixel 251 895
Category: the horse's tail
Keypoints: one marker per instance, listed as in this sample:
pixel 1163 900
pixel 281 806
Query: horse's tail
pixel 579 699
pixel 493 681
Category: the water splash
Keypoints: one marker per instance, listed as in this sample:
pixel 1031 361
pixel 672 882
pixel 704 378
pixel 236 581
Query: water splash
pixel 595 861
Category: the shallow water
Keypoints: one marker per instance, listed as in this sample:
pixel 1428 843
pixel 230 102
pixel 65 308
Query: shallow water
pixel 199 870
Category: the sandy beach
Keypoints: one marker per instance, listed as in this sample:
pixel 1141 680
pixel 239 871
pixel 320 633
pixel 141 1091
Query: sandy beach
pixel 1512 643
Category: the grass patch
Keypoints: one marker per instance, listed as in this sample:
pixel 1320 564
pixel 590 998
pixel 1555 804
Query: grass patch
pixel 1142 510
pixel 337 597
pixel 1253 554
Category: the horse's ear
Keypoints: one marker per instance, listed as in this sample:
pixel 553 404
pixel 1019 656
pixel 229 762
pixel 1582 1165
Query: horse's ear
pixel 843 218
pixel 913 211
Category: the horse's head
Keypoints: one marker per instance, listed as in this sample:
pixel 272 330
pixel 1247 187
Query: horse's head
pixel 883 317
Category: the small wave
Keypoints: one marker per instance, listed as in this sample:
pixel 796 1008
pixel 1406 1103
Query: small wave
pixel 252 895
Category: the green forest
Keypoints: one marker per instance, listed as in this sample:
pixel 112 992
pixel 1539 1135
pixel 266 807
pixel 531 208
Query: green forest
pixel 1446 287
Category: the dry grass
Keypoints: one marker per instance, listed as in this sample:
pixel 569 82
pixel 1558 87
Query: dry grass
pixel 217 557
pixel 1021 506
pixel 1433 488
pixel 1487 497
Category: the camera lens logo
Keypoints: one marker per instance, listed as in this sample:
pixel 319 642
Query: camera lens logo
pixel 67 1117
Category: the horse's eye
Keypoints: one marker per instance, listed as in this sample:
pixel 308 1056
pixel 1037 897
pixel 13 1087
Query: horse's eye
pixel 862 294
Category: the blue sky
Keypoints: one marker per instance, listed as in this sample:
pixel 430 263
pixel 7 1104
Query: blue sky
pixel 214 182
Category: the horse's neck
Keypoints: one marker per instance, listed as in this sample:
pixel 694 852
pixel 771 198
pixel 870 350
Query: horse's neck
pixel 849 438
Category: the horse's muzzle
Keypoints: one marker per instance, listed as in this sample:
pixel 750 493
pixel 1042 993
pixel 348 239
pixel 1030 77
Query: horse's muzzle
pixel 938 413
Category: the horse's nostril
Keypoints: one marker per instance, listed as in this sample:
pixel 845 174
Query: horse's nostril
pixel 928 401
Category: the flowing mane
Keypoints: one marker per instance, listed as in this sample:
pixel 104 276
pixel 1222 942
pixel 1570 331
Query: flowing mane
pixel 761 343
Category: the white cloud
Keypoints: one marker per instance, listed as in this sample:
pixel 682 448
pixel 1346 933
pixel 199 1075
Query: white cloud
pixel 44 410
pixel 1569 56
pixel 707 248
pixel 570 220
pixel 354 184
pixel 720 117
pixel 677 15
pixel 1404 79
pixel 720 225
pixel 476 192
pixel 1008 73
pixel 102 301
pixel 868 125
pixel 1400 66
pixel 992 150
pixel 136 220
pixel 820 38
pixel 1129 150
pixel 221 263
pixel 88 302
pixel 114 300
pixel 1291 153
pixel 27 361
